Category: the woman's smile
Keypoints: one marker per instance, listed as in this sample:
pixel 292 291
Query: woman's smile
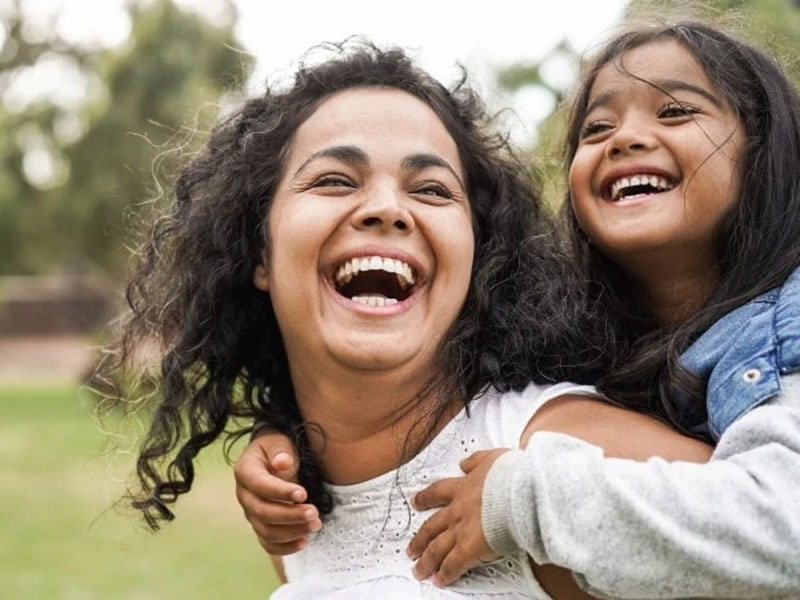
pixel 371 234
pixel 375 280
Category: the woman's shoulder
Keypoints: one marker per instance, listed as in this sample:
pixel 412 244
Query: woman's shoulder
pixel 504 415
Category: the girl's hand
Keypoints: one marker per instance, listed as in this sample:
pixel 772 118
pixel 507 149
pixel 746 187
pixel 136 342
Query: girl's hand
pixel 452 540
pixel 273 503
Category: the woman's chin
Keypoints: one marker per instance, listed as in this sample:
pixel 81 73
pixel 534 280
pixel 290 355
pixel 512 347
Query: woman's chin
pixel 377 355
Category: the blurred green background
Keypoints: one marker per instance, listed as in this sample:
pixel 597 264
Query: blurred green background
pixel 78 174
pixel 60 476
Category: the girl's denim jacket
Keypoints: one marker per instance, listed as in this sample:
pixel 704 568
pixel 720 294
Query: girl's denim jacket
pixel 743 355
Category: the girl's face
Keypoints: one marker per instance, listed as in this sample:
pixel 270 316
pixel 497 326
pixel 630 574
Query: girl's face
pixel 657 165
pixel 371 235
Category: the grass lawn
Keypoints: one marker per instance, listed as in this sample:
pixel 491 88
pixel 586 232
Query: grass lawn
pixel 61 538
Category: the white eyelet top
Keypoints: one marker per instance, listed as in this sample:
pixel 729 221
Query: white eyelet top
pixel 360 551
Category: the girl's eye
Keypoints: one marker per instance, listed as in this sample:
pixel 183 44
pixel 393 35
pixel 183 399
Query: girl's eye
pixel 675 110
pixel 593 128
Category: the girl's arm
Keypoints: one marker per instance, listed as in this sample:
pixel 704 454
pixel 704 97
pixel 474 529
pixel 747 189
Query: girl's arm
pixel 656 529
pixel 453 540
pixel 620 433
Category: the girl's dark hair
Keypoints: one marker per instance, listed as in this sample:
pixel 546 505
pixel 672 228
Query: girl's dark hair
pixel 192 294
pixel 757 242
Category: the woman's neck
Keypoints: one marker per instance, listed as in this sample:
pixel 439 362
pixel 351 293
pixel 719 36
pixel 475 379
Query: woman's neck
pixel 367 421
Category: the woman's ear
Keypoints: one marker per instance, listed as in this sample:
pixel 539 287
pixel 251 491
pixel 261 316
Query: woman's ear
pixel 261 275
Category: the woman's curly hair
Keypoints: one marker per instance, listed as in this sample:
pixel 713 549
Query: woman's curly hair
pixel 222 355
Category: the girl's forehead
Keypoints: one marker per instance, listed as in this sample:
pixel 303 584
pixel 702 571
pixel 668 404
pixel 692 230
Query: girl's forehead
pixel 661 63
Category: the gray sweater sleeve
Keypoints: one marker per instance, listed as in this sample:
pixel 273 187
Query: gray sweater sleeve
pixel 729 528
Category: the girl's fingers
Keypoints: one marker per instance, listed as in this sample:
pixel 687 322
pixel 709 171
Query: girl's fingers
pixel 431 529
pixel 453 566
pixel 280 454
pixel 284 534
pixel 433 556
pixel 437 494
pixel 284 549
pixel 275 513
pixel 251 473
pixel 473 460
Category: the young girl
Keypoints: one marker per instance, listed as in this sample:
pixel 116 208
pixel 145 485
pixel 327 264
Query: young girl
pixel 685 205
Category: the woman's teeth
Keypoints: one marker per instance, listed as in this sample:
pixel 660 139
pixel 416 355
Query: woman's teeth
pixel 374 300
pixel 639 184
pixel 354 266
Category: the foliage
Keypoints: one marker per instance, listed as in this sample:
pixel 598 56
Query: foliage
pixel 102 154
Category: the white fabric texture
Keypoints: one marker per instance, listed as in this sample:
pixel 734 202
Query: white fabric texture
pixel 360 551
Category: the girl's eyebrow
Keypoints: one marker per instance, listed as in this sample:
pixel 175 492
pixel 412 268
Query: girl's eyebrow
pixel 673 85
pixel 352 155
pixel 664 85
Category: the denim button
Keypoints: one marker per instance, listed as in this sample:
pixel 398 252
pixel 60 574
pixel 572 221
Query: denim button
pixel 751 375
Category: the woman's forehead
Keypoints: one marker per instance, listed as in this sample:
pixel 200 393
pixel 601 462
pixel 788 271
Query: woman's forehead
pixel 376 119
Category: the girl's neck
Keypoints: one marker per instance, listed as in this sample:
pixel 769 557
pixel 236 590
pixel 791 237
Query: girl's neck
pixel 675 287
pixel 364 421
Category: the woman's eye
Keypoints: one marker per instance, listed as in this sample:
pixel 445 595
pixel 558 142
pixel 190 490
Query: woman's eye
pixel 594 128
pixel 333 181
pixel 676 110
pixel 433 189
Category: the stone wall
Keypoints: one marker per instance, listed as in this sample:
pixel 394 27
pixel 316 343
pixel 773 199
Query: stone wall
pixel 54 305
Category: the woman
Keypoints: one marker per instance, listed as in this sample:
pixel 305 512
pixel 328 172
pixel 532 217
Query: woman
pixel 352 262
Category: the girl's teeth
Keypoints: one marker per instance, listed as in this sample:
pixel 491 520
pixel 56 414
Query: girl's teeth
pixel 660 183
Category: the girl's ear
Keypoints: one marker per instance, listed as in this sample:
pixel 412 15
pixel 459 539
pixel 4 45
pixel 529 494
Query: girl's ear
pixel 261 275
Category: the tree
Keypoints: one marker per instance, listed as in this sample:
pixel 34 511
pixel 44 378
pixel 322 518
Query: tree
pixel 155 92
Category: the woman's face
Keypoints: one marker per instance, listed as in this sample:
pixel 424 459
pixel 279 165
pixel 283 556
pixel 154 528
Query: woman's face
pixel 657 165
pixel 371 235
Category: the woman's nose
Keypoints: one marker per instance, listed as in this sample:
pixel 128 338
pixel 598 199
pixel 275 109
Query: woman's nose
pixel 383 209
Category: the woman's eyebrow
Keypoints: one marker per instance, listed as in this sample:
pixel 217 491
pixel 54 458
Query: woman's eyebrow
pixel 352 155
pixel 421 161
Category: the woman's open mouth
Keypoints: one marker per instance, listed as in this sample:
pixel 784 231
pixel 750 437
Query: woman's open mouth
pixel 375 280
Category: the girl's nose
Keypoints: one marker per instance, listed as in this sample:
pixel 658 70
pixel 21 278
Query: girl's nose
pixel 630 138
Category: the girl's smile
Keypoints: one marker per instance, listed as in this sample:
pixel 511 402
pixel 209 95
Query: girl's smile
pixel 656 166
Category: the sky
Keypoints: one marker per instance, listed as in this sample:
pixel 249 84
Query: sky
pixel 480 35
